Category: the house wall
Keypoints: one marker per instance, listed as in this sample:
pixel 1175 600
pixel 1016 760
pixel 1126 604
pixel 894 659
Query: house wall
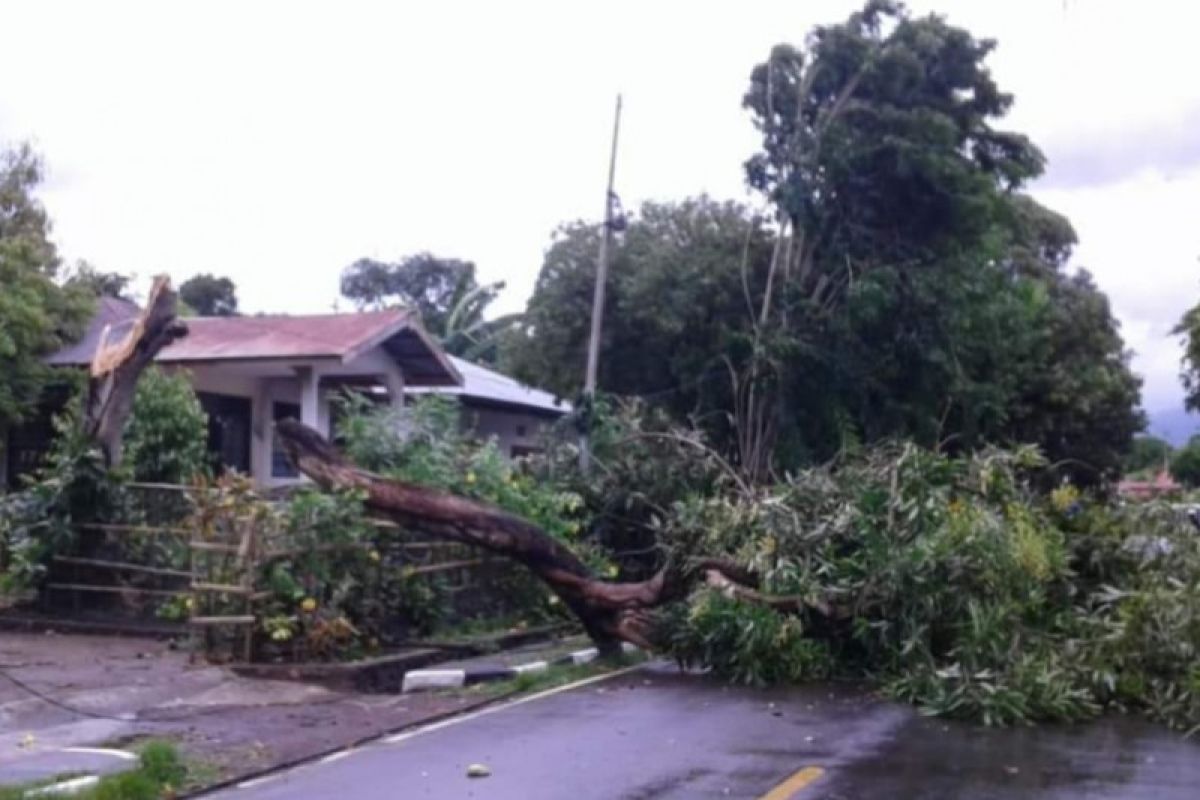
pixel 263 393
pixel 512 429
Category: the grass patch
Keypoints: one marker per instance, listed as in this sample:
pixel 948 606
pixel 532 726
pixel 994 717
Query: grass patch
pixel 161 772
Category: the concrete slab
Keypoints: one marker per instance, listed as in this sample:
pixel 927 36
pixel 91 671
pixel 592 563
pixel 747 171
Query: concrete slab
pixel 40 766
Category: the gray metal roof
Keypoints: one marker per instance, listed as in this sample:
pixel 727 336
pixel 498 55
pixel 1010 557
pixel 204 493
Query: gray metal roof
pixel 481 383
pixel 113 311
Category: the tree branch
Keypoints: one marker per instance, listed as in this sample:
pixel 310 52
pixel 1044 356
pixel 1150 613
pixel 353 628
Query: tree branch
pixel 116 367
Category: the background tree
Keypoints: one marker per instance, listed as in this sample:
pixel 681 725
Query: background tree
pixel 37 315
pixel 98 283
pixel 210 296
pixel 1185 464
pixel 900 285
pixel 1148 453
pixel 444 291
pixel 1189 329
pixel 676 305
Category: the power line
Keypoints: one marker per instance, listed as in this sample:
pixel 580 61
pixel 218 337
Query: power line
pixel 45 698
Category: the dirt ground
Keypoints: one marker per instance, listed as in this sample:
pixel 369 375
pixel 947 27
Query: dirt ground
pixel 106 691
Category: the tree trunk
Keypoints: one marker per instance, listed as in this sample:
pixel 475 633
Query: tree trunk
pixel 610 612
pixel 116 367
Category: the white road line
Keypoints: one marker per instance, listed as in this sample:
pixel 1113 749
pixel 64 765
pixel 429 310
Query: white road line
pixel 253 782
pixel 332 757
pixel 102 751
pixel 446 723
pixel 65 787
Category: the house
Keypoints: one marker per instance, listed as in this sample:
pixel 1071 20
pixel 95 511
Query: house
pixel 499 407
pixel 1162 485
pixel 250 371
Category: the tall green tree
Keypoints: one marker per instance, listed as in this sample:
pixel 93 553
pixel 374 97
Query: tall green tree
pixel 1185 464
pixel 1148 453
pixel 1189 329
pixel 99 283
pixel 444 291
pixel 900 286
pixel 676 304
pixel 210 296
pixel 37 315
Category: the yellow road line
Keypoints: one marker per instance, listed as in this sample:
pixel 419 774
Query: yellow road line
pixel 794 784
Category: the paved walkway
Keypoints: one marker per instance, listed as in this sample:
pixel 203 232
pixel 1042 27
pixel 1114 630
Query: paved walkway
pixel 122 689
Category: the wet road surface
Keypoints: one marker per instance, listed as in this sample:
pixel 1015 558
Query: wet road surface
pixel 655 733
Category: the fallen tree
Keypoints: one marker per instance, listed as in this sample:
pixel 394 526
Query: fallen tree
pixel 951 581
pixel 610 612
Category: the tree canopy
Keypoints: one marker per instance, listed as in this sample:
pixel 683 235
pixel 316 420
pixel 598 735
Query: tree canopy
pixel 1189 329
pixel 37 315
pixel 444 291
pixel 1185 464
pixel 210 296
pixel 99 283
pixel 1148 453
pixel 898 283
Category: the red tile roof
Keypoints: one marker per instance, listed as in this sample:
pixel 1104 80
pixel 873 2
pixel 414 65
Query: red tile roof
pixel 280 336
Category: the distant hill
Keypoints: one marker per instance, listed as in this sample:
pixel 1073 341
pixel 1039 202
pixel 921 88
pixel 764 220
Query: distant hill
pixel 1173 424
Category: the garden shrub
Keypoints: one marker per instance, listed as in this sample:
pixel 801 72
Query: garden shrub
pixel 339 586
pixel 166 440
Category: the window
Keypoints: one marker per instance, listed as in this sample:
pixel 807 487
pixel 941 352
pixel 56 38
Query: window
pixel 228 431
pixel 280 466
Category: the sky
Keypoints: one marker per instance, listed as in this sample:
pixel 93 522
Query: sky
pixel 276 142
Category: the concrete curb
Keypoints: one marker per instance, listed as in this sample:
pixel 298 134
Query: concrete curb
pixel 424 679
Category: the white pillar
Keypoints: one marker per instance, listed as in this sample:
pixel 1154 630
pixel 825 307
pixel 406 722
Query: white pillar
pixel 310 381
pixel 263 431
pixel 393 378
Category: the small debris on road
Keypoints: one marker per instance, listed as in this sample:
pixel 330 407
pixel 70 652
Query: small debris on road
pixel 478 771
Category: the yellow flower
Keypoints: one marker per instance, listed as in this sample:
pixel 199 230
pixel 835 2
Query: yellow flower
pixel 1064 497
pixel 470 477
pixel 308 604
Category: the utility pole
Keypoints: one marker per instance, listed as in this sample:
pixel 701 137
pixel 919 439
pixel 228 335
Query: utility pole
pixel 593 357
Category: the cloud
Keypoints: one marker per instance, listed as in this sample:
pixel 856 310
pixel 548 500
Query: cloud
pixel 1167 146
pixel 276 142
pixel 1138 238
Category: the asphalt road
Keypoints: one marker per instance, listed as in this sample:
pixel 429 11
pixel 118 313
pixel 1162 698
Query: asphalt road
pixel 655 733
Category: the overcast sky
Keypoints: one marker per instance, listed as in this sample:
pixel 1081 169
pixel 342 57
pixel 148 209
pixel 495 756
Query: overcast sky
pixel 275 142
